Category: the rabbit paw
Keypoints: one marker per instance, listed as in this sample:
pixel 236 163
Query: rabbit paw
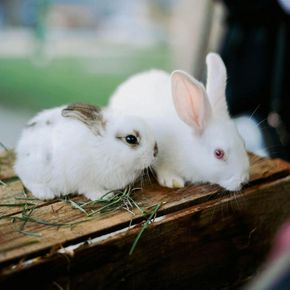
pixel 93 195
pixel 167 179
pixel 42 191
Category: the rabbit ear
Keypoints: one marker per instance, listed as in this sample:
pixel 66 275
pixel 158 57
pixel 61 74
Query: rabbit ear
pixel 190 100
pixel 216 83
pixel 87 114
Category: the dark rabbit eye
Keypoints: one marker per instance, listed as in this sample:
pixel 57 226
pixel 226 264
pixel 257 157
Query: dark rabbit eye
pixel 219 153
pixel 131 139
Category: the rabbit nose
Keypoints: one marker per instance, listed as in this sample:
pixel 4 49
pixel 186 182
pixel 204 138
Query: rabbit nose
pixel 155 150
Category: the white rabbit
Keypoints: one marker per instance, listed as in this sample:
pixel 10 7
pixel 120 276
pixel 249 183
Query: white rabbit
pixel 197 140
pixel 82 149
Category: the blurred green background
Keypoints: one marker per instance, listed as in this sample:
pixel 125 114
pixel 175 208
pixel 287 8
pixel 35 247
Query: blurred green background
pixel 30 86
pixel 54 52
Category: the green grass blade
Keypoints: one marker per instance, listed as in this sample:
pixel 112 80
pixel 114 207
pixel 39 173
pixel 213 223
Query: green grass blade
pixel 3 146
pixel 26 198
pixel 145 225
pixel 77 206
pixel 16 204
pixel 3 183
pixel 31 234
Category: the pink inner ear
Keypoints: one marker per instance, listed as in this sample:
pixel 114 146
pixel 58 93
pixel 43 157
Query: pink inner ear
pixel 189 101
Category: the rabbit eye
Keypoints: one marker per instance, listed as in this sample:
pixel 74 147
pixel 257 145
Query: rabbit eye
pixel 131 139
pixel 219 153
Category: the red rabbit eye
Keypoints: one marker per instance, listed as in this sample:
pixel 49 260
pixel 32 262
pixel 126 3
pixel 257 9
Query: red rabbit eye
pixel 219 153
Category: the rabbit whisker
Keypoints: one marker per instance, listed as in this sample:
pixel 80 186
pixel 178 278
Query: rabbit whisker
pixel 254 112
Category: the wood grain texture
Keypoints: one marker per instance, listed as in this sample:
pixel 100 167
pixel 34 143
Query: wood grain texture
pixel 6 161
pixel 202 234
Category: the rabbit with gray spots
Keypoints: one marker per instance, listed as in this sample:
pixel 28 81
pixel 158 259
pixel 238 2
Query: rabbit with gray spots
pixel 82 149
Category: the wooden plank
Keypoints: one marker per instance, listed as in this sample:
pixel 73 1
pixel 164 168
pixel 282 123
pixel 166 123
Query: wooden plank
pixel 210 245
pixel 262 168
pixel 15 245
pixel 6 161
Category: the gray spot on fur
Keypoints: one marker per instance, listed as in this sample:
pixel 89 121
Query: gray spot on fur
pixel 87 114
pixel 48 157
pixel 31 125
pixel 83 112
pixel 155 149
pixel 137 134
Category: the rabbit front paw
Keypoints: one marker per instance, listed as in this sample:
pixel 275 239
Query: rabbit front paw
pixel 100 194
pixel 42 191
pixel 169 179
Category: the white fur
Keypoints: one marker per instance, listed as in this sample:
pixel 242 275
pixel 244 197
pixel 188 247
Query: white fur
pixel 57 155
pixel 189 123
pixel 252 135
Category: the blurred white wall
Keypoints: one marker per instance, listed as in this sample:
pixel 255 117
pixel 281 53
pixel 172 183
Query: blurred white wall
pixel 196 28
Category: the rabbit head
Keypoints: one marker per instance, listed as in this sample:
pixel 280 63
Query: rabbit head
pixel 131 143
pixel 217 148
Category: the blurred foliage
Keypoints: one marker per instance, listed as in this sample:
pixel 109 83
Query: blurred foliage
pixel 34 87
